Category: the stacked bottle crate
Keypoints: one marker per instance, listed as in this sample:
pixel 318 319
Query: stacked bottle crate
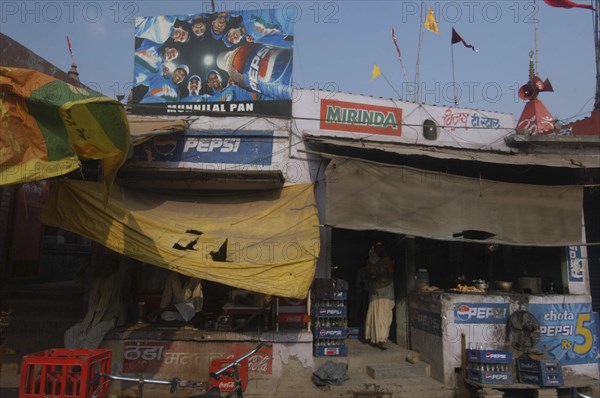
pixel 330 325
pixel 547 372
pixel 489 365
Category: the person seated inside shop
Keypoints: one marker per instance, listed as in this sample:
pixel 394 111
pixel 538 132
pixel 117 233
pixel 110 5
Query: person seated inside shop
pixel 181 300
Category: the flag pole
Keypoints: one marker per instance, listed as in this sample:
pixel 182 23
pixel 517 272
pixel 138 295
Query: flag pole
pixel 596 16
pixel 416 98
pixel 453 78
pixel 535 29
pixel 399 55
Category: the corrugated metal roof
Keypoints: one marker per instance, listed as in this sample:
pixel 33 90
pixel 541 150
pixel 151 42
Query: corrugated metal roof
pixel 514 158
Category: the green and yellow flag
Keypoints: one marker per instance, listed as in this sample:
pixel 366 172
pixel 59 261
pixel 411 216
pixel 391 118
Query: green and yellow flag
pixel 47 125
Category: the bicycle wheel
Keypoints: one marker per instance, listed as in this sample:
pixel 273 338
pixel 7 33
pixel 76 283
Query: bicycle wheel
pixel 102 390
pixel 222 323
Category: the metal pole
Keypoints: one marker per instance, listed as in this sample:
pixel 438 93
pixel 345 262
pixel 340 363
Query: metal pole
pixel 535 28
pixel 417 83
pixel 596 16
pixel 453 78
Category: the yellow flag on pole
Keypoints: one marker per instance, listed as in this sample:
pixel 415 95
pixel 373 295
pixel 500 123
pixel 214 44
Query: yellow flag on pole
pixel 430 22
pixel 376 72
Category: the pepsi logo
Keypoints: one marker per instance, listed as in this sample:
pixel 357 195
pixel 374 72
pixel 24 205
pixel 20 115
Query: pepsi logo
pixel 165 144
pixel 463 312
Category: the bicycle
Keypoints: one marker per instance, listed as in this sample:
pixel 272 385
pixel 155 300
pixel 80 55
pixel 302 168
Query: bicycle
pixel 230 370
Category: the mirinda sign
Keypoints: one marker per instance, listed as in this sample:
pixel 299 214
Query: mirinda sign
pixel 360 118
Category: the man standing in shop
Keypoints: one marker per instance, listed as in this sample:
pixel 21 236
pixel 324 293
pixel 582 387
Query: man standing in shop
pixel 380 272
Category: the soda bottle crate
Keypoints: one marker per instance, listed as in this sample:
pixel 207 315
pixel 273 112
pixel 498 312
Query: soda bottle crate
pixel 489 356
pixel 544 366
pixel 338 350
pixel 335 296
pixel 354 332
pixel 490 376
pixel 330 311
pixel 541 379
pixel 61 372
pixel 330 333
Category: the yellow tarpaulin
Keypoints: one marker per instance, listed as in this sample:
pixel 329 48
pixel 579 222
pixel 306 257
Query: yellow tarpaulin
pixel 269 240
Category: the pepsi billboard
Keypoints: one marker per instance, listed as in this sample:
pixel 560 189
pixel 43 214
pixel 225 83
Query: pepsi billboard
pixel 222 63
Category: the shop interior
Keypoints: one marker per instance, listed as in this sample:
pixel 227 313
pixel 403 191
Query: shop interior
pixel 529 270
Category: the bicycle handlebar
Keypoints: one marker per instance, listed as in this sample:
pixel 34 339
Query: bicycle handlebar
pixel 140 379
pixel 217 375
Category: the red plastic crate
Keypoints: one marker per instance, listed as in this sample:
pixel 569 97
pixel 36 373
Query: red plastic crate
pixel 65 373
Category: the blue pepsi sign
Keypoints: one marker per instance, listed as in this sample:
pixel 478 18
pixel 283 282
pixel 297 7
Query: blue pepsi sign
pixel 245 147
pixel 481 313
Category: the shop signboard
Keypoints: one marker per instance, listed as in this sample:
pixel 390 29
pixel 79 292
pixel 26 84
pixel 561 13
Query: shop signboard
pixel 242 147
pixel 222 63
pixel 568 331
pixel 361 118
pixel 575 264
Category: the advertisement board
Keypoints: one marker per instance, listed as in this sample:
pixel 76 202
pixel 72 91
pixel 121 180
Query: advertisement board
pixel 243 147
pixel 568 332
pixel 361 118
pixel 222 63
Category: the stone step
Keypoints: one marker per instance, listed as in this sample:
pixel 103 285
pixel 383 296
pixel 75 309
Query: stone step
pixel 399 370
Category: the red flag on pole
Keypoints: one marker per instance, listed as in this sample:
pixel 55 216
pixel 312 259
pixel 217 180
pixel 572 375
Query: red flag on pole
pixel 457 39
pixel 69 44
pixel 396 43
pixel 567 4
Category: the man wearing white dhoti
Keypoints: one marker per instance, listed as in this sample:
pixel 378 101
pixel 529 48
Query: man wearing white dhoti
pixel 380 271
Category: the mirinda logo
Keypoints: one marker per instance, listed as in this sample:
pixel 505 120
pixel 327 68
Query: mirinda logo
pixel 360 118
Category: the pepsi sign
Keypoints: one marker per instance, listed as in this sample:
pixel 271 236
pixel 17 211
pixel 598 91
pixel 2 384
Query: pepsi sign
pixel 481 313
pixel 243 147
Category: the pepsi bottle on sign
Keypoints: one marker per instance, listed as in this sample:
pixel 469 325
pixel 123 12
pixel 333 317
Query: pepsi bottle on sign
pixel 261 69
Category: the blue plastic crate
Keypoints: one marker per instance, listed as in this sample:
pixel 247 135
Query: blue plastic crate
pixel 539 366
pixel 354 332
pixel 490 377
pixel 330 333
pixel 330 350
pixel 330 312
pixel 541 379
pixel 489 356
